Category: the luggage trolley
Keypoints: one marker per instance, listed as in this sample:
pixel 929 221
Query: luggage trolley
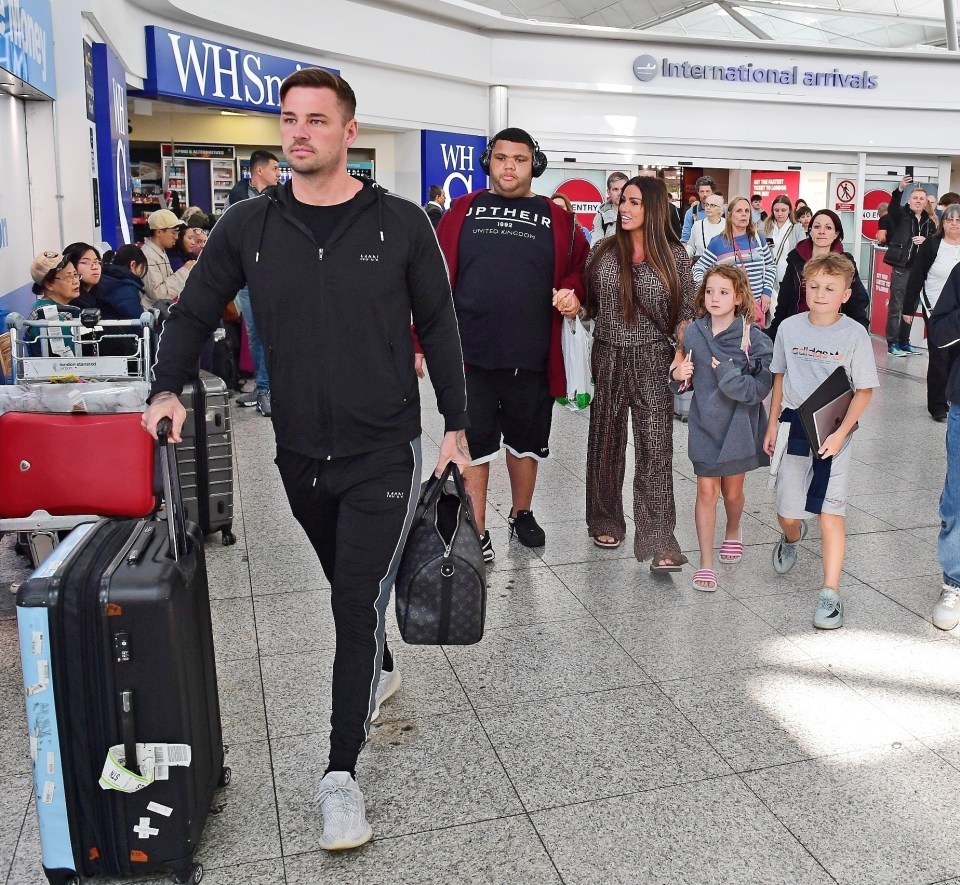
pixel 113 358
pixel 72 452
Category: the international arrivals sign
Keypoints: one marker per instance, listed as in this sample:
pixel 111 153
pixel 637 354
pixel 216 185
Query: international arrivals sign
pixel 647 68
pixel 188 68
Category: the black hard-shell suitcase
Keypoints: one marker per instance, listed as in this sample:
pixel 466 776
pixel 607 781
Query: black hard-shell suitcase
pixel 117 652
pixel 206 456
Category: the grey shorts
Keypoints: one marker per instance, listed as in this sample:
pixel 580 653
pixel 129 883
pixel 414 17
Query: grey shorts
pixel 793 481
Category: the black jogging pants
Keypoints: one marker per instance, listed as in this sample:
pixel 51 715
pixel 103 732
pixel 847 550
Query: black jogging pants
pixel 356 512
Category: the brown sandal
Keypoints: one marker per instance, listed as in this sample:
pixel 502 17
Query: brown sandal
pixel 668 562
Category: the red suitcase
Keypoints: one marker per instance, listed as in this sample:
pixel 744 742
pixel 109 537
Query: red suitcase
pixel 69 464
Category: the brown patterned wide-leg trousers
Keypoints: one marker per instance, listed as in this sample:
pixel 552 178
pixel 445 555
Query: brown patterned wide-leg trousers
pixel 632 380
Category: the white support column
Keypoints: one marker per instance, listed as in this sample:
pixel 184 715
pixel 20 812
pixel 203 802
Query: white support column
pixel 499 108
pixel 858 203
pixel 944 174
pixel 950 24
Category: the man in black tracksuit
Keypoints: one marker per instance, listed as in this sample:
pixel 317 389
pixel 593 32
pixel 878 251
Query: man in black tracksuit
pixel 335 268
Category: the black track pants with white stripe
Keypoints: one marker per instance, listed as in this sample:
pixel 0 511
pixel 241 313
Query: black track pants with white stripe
pixel 356 513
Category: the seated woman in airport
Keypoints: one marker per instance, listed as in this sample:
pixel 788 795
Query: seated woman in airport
pixel 785 232
pixel 56 284
pixel 741 246
pixel 87 261
pixel 191 239
pixel 826 236
pixel 121 285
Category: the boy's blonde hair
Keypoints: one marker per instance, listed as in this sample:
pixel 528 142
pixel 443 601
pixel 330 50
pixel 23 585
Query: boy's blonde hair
pixel 737 278
pixel 835 264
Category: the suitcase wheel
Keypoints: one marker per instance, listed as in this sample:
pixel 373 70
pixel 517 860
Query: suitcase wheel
pixel 193 876
pixel 227 538
pixel 225 776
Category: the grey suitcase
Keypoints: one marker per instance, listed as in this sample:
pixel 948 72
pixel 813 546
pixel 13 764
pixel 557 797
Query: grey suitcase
pixel 205 456
pixel 681 405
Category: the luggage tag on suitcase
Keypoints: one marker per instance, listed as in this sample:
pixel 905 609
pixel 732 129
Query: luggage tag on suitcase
pixel 154 760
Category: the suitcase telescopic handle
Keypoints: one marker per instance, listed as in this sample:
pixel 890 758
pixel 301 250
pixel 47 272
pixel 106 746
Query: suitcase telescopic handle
pixel 172 495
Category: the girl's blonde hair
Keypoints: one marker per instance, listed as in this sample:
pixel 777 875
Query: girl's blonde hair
pixel 737 277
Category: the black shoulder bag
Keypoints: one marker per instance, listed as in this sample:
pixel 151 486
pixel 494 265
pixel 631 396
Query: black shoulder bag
pixel 441 588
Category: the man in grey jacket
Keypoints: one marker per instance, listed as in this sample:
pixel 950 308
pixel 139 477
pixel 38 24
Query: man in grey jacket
pixel 605 222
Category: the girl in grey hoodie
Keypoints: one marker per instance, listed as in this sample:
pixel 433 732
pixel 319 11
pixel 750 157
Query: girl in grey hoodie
pixel 725 358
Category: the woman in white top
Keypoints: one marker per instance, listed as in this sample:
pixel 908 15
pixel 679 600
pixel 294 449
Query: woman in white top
pixel 783 232
pixel 705 229
pixel 936 257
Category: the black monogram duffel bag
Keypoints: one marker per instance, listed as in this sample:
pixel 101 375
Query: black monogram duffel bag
pixel 441 587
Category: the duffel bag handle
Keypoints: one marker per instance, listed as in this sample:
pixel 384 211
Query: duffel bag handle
pixel 435 485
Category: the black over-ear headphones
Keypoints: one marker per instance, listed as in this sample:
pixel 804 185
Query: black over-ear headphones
pixel 539 158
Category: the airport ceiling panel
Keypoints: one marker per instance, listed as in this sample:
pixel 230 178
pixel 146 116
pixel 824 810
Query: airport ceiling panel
pixel 884 24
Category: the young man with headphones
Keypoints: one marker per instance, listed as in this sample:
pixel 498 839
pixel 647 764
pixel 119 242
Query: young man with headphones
pixel 516 267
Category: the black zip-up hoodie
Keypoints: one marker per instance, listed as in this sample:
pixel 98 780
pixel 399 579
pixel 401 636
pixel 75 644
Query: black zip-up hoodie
pixel 334 322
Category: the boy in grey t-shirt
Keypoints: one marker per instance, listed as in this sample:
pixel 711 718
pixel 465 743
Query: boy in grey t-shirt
pixel 808 348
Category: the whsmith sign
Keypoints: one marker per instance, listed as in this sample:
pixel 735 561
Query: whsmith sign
pixel 188 68
pixel 646 68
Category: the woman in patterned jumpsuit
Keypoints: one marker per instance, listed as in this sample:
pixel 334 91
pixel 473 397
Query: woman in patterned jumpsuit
pixel 639 290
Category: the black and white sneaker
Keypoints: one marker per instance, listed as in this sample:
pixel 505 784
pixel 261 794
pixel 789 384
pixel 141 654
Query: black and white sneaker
pixel 486 545
pixel 525 527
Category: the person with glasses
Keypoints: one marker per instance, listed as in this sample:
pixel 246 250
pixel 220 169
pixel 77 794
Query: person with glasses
pixel 162 282
pixel 936 258
pixel 704 230
pixel 57 285
pixel 88 262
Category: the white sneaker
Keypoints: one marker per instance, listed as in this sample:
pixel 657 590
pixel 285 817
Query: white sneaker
pixel 344 813
pixel 946 613
pixel 388 684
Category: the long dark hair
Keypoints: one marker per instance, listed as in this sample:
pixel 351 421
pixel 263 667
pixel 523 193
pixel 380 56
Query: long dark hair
pixel 658 237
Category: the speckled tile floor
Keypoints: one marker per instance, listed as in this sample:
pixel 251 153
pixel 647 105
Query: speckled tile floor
pixel 611 727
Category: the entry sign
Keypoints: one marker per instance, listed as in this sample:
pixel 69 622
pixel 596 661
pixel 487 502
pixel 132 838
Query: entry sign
pixel 871 205
pixel 846 191
pixel 586 199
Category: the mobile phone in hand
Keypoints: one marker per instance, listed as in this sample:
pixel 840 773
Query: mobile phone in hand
pixel 908 170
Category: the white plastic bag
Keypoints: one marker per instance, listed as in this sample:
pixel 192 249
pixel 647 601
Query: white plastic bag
pixel 577 341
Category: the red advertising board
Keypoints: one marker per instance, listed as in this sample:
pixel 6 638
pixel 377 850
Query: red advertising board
pixel 586 199
pixel 880 293
pixel 871 203
pixel 771 185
